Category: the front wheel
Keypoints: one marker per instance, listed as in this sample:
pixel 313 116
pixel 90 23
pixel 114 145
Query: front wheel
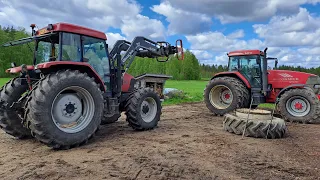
pixel 299 105
pixel 65 109
pixel 143 109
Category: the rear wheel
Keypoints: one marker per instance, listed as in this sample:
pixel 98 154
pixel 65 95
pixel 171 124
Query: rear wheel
pixel 224 94
pixel 10 121
pixel 65 109
pixel 299 105
pixel 143 109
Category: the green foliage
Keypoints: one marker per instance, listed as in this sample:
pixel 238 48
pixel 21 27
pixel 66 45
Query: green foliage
pixel 193 91
pixel 3 81
pixel 313 70
pixel 207 71
pixel 188 69
pixel 19 54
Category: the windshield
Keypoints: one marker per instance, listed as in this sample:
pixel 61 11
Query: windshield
pixel 242 62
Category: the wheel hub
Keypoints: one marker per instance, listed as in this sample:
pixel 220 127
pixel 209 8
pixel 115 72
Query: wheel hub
pixel 148 109
pixel 72 109
pixel 298 106
pixel 220 96
pixel 145 109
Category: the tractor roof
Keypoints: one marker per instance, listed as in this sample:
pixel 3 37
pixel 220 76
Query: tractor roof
pixel 245 52
pixel 65 27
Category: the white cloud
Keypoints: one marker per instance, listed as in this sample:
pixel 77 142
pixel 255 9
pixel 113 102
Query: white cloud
pixel 183 21
pixel 228 11
pixel 310 51
pixel 301 29
pixel 218 42
pixel 95 14
pixel 143 26
pixel 236 34
pixel 212 47
pixel 113 37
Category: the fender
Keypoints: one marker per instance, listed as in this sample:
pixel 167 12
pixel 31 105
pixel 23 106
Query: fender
pixel 17 69
pixel 81 66
pixel 304 86
pixel 233 74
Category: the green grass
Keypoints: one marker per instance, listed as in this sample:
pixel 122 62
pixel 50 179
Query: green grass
pixel 3 81
pixel 192 89
pixel 194 92
pixel 267 105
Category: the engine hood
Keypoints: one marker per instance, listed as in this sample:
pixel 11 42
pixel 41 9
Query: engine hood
pixel 284 78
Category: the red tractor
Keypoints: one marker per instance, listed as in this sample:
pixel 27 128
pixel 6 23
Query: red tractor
pixel 75 84
pixel 249 81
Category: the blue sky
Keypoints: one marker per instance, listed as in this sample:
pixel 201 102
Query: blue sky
pixel 209 28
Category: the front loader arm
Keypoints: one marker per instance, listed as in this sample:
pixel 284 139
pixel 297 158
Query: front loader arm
pixel 142 47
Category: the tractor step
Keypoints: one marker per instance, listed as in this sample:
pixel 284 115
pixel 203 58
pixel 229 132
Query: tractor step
pixel 257 96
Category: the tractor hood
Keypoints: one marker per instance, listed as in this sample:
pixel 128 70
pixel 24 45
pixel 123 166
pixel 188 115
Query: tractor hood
pixel 285 78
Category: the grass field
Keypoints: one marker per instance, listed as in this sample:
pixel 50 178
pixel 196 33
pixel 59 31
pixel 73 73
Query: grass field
pixel 194 92
pixel 192 89
pixel 3 81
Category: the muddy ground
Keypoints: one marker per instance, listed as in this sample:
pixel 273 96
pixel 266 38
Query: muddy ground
pixel 188 144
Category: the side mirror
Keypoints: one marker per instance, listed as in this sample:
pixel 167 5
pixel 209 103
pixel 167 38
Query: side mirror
pixel 276 64
pixel 179 47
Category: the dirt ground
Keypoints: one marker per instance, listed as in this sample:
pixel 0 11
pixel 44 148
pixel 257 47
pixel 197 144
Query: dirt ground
pixel 188 144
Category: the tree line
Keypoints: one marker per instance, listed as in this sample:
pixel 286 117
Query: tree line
pixel 22 54
pixel 188 69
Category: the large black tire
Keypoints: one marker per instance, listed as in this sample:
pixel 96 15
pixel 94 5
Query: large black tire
pixel 41 119
pixel 255 128
pixel 134 113
pixel 241 96
pixel 109 118
pixel 305 95
pixel 10 121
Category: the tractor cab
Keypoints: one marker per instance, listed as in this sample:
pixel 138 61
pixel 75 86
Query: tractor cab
pixel 72 43
pixel 253 65
pixel 248 63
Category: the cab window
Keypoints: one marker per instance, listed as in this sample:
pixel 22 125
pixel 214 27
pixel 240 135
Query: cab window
pixel 94 52
pixel 71 47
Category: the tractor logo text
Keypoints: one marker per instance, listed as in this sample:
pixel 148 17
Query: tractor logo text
pixel 286 77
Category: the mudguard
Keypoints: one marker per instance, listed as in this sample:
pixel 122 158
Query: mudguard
pixel 81 66
pixel 233 74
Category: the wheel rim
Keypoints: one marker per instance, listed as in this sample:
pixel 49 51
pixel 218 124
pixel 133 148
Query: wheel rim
pixel 220 97
pixel 298 106
pixel 72 109
pixel 148 109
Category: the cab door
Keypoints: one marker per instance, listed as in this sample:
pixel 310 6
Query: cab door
pixel 250 68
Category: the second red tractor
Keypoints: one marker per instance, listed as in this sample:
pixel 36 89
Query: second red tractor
pixel 249 81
